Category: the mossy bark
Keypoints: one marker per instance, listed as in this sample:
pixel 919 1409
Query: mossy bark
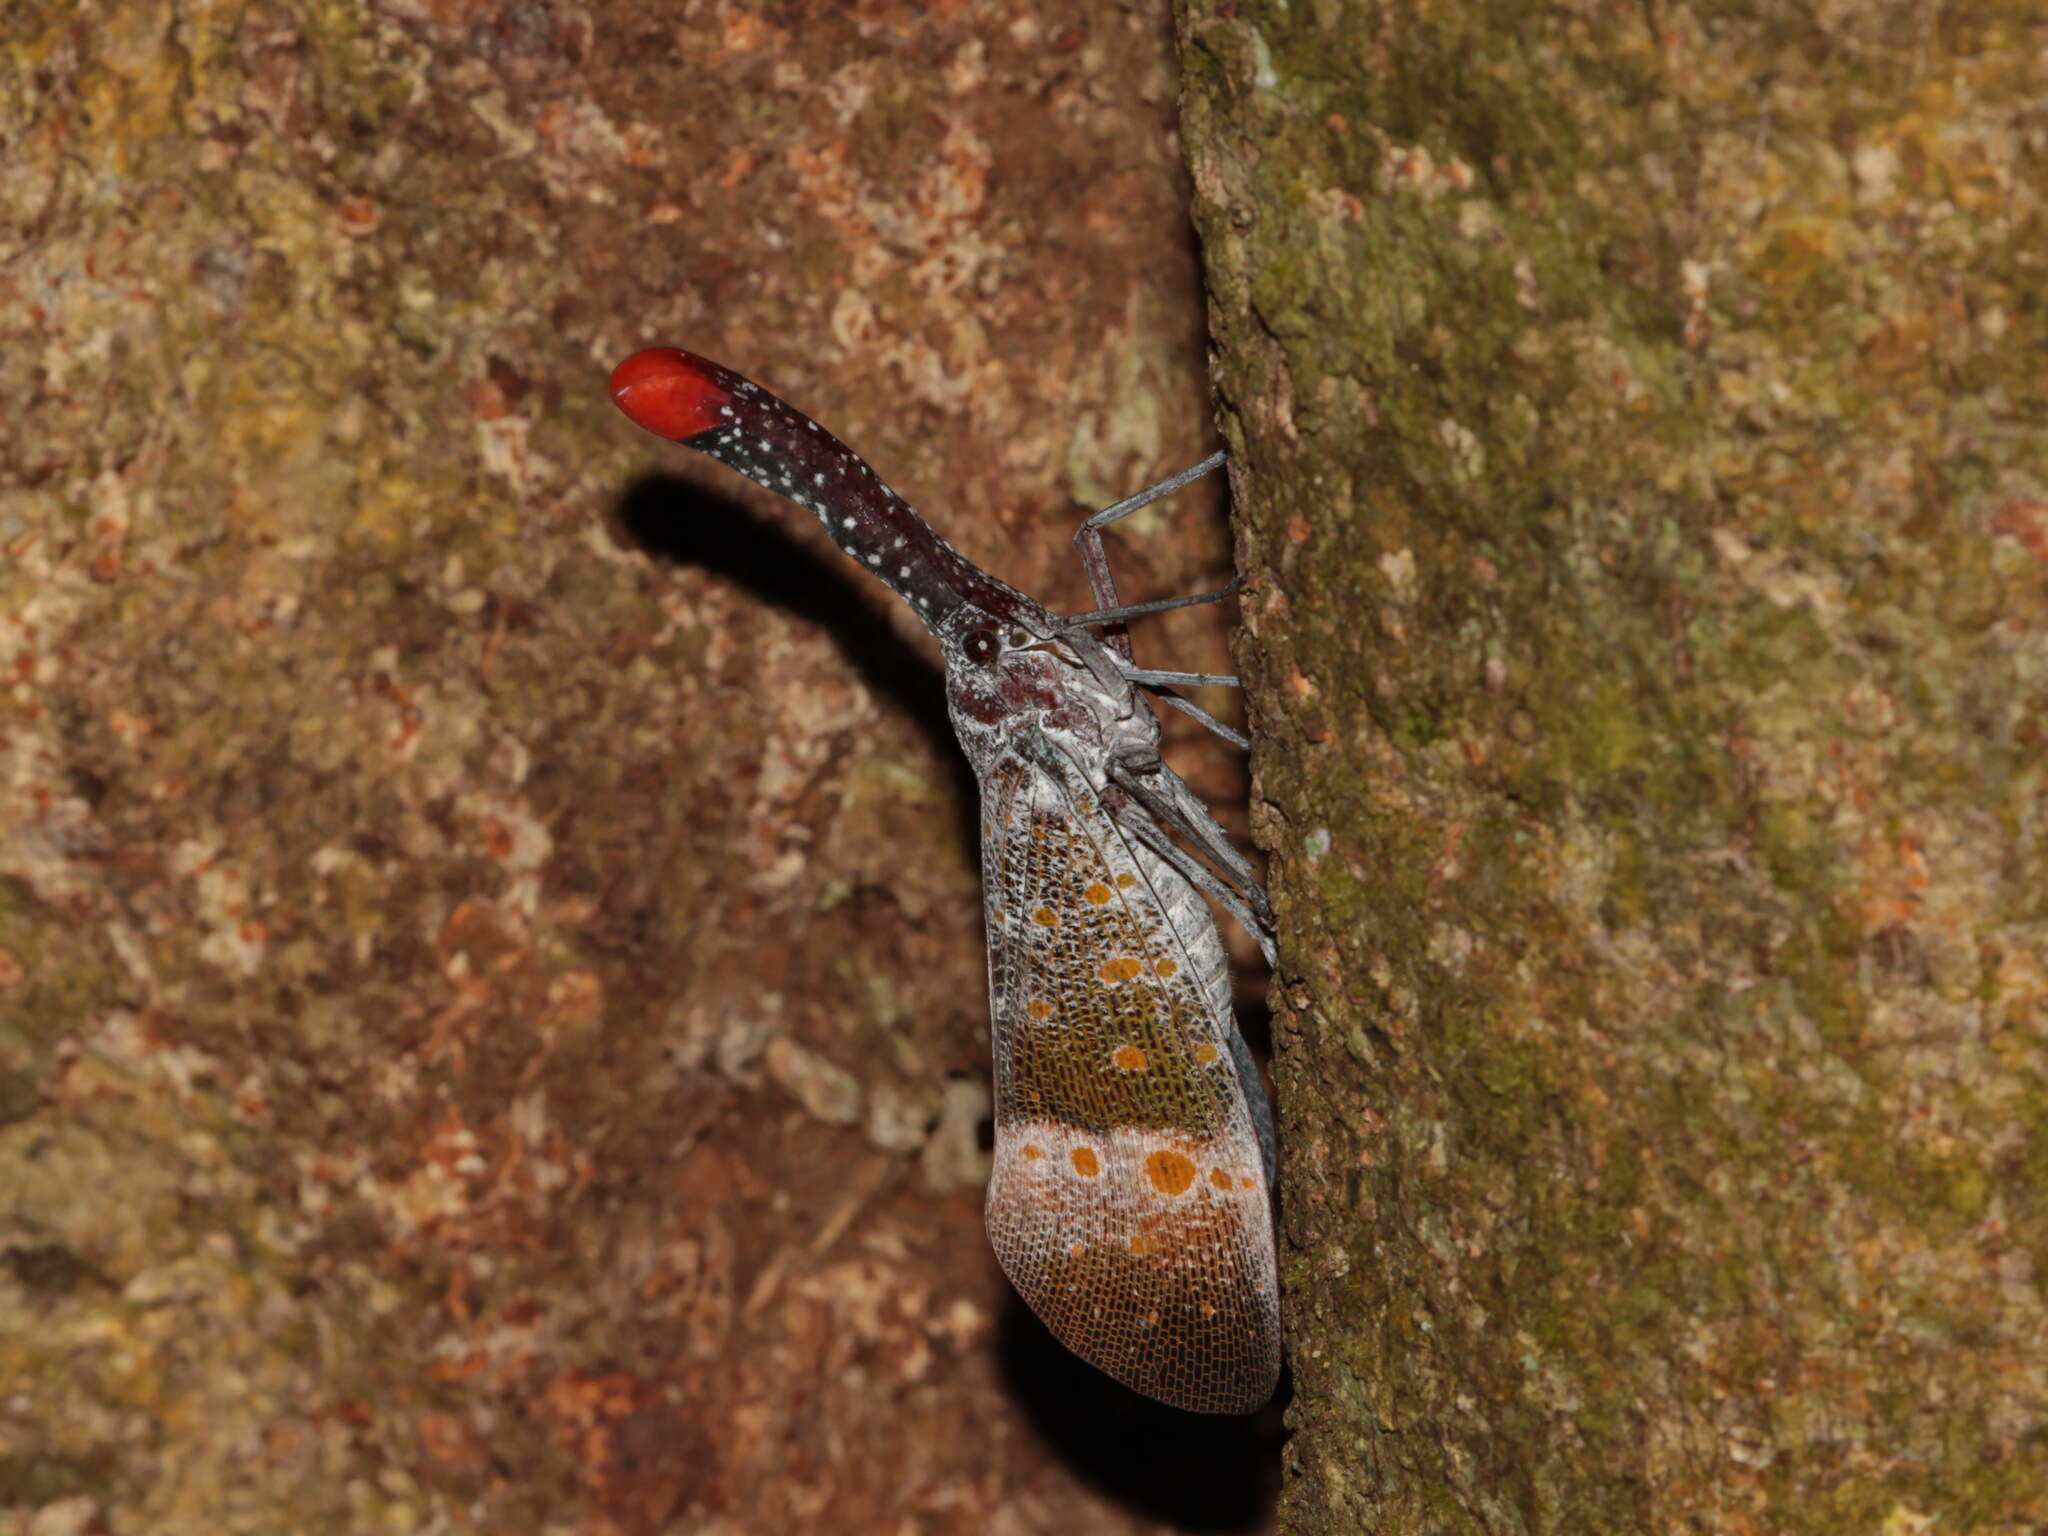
pixel 1640 430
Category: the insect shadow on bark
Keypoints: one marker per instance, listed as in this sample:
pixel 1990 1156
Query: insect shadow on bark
pixel 684 524
pixel 1201 1473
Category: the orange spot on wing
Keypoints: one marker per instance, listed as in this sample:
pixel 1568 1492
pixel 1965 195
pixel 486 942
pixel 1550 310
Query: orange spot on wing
pixel 1164 967
pixel 1139 1245
pixel 1085 1162
pixel 1045 917
pixel 1204 1054
pixel 1031 1151
pixel 1123 968
pixel 1098 893
pixel 1126 880
pixel 1244 1183
pixel 1219 1178
pixel 1038 1008
pixel 1170 1173
pixel 1131 1058
pixel 1207 1310
pixel 1077 1250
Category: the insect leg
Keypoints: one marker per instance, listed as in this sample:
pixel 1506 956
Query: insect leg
pixel 1203 717
pixel 1132 814
pixel 1146 677
pixel 1138 801
pixel 1128 813
pixel 1150 494
pixel 1166 794
pixel 1117 615
pixel 1095 558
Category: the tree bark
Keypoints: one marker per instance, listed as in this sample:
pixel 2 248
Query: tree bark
pixel 1638 420
pixel 491 979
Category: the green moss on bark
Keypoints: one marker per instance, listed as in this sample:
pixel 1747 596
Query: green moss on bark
pixel 1638 422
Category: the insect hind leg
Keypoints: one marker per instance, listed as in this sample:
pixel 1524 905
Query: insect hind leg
pixel 1149 799
pixel 1140 807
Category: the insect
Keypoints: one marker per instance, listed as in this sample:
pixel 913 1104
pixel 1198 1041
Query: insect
pixel 1130 1198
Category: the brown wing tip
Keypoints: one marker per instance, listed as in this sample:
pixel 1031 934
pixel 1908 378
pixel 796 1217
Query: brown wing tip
pixel 1185 1352
pixel 1165 1283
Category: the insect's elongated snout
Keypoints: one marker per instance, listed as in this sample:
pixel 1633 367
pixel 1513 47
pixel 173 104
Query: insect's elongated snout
pixel 679 395
pixel 659 390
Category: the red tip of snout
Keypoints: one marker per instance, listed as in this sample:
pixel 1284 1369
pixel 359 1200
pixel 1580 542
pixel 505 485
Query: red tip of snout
pixel 669 392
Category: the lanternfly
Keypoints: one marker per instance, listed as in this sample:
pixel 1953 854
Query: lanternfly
pixel 1130 1202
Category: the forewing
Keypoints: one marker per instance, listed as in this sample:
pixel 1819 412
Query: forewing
pixel 1128 1203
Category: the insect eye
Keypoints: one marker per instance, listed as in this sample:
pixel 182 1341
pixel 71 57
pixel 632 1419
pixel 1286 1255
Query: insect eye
pixel 981 646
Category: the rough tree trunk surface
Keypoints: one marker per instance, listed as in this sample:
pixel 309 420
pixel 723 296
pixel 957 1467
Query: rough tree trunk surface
pixel 1640 429
pixel 491 995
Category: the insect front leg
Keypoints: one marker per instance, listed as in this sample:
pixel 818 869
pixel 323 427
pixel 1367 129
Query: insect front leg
pixel 1095 559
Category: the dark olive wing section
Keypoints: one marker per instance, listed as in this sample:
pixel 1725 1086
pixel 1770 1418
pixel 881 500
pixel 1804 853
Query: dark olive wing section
pixel 1128 1203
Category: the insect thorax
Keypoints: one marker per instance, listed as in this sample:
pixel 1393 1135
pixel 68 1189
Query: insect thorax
pixel 1005 678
